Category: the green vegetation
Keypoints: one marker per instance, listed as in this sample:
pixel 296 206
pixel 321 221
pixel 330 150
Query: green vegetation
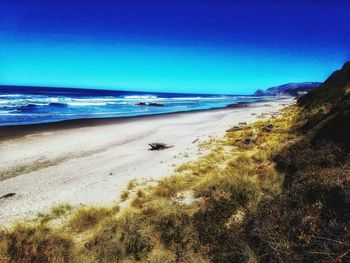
pixel 255 196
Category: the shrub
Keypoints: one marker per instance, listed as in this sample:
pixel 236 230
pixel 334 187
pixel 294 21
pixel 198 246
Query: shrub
pixel 86 218
pixel 119 238
pixel 124 195
pixel 159 255
pixel 34 243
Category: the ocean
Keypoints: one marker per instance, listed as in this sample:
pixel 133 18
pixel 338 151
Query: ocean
pixel 33 105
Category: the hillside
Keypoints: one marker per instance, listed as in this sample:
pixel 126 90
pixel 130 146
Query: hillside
pixel 312 214
pixel 327 108
pixel 331 91
pixel 291 89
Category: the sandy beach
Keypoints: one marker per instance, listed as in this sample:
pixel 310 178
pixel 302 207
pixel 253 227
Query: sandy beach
pixel 93 163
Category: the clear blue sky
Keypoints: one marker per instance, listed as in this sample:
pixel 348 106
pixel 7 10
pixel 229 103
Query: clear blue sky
pixel 183 46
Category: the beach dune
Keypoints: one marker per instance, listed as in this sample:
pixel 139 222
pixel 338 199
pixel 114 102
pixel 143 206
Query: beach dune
pixel 93 163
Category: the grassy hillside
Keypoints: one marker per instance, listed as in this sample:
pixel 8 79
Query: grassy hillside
pixel 330 92
pixel 327 109
pixel 309 221
pixel 254 196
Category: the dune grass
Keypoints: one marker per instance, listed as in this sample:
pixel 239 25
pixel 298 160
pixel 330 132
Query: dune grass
pixel 187 217
pixel 85 218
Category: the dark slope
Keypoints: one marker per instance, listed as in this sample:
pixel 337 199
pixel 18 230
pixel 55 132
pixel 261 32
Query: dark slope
pixel 327 109
pixel 331 91
pixel 310 219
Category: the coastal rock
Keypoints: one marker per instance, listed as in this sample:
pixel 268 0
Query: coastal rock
pixel 159 146
pixel 57 105
pixel 154 104
pixel 268 128
pixel 151 104
pixel 259 92
pixel 237 105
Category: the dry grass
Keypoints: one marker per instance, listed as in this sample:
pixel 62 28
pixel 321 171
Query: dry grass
pixel 132 184
pixel 26 242
pixel 125 195
pixel 85 218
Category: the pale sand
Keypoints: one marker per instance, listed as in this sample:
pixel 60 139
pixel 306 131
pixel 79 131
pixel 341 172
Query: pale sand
pixel 93 165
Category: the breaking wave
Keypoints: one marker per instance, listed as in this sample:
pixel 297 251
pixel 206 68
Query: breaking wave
pixel 50 106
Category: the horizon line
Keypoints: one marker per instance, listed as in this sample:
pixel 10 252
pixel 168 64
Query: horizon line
pixel 138 91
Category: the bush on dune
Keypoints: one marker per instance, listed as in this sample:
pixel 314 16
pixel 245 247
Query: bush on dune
pixel 26 242
pixel 118 238
pixel 160 255
pixel 86 218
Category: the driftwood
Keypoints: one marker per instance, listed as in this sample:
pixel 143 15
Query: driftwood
pixel 234 128
pixel 247 141
pixel 159 146
pixel 7 195
pixel 196 140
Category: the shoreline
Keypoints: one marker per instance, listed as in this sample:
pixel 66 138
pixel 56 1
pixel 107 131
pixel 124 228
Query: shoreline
pixel 14 131
pixel 87 165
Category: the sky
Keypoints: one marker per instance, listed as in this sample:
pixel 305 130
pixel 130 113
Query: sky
pixel 229 47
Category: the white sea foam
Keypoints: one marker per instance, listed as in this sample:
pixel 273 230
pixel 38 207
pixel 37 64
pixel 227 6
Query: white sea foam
pixel 100 106
pixel 16 100
pixel 144 97
pixel 81 103
pixel 5 101
pixel 5 112
pixel 201 98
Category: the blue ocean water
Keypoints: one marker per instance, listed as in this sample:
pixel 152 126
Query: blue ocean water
pixel 31 105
